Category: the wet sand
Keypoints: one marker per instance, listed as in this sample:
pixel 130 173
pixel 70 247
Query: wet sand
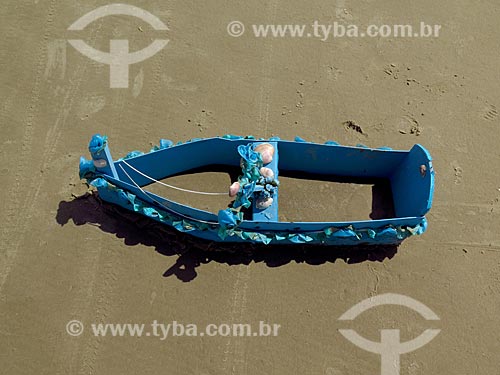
pixel 64 259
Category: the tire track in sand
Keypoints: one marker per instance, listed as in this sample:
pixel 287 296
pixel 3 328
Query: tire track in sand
pixel 79 356
pixel 265 87
pixel 84 362
pixel 84 356
pixel 233 361
pixel 84 353
pixel 19 215
pixel 156 84
pixel 14 224
pixel 97 310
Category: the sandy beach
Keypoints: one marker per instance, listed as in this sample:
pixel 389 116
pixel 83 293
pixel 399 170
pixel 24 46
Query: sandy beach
pixel 64 259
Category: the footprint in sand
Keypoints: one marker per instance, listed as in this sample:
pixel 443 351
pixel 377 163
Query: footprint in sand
pixel 458 172
pixel 490 112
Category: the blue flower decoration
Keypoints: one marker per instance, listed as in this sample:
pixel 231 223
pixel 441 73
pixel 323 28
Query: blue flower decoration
pixel 97 143
pixel 249 155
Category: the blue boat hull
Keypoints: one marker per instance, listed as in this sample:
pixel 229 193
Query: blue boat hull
pixel 410 174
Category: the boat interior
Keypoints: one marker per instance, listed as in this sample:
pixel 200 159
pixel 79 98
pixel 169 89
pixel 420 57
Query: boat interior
pixel 318 182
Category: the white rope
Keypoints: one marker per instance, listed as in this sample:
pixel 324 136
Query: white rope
pixel 161 204
pixel 167 185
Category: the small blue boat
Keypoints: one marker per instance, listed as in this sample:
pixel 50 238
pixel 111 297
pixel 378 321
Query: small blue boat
pixel 123 182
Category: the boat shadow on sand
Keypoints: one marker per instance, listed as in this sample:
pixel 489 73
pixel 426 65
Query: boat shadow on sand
pixel 193 252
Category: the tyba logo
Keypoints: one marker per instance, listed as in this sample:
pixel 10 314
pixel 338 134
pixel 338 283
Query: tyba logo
pixel 119 57
pixel 390 348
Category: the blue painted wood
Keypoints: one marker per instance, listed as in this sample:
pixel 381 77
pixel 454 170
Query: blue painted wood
pixel 297 227
pixel 195 213
pixel 101 156
pixel 413 183
pixel 338 160
pixel 270 213
pixel 294 157
pixel 410 173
